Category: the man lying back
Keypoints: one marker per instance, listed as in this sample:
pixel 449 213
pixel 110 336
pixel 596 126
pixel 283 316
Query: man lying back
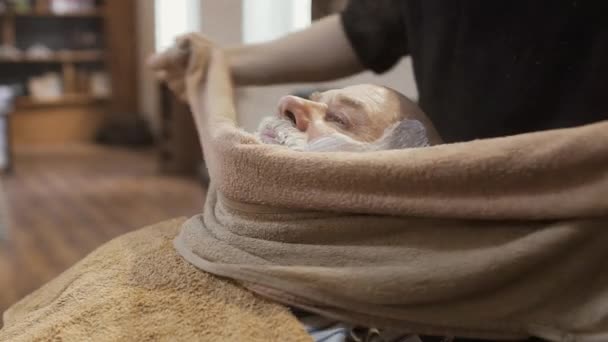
pixel 357 118
pixel 360 118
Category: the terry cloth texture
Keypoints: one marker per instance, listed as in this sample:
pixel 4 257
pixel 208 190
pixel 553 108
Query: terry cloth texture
pixel 137 288
pixel 497 238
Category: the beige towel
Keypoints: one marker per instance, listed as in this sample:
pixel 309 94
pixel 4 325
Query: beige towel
pixel 492 238
pixel 136 288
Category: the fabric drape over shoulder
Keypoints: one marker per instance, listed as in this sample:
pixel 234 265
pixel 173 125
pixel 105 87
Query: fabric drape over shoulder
pixel 496 238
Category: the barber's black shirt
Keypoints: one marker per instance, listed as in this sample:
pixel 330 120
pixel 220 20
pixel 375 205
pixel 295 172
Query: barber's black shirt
pixel 492 68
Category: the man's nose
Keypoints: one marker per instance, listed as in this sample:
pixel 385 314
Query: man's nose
pixel 298 110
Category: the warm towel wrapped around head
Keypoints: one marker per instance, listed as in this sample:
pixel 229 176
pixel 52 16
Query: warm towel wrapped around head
pixel 492 238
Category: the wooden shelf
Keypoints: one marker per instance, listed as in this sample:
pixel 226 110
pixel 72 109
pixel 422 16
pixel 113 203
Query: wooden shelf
pixel 113 24
pixel 61 57
pixel 97 13
pixel 26 102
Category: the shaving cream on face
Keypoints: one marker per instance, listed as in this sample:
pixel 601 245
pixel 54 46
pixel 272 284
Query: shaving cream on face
pixel 403 134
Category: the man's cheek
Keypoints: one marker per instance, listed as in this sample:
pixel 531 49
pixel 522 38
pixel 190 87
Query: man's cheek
pixel 364 134
pixel 318 130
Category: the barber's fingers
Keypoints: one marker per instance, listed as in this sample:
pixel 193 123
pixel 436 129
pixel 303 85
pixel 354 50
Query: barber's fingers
pixel 197 47
pixel 177 56
pixel 178 87
pixel 161 75
pixel 174 82
pixel 156 61
pixel 172 65
pixel 160 61
pixel 192 41
pixel 173 61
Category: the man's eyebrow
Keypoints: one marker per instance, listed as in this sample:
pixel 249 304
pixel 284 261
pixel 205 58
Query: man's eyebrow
pixel 349 101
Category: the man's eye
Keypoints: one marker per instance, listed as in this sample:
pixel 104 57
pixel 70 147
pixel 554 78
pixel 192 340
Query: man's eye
pixel 339 119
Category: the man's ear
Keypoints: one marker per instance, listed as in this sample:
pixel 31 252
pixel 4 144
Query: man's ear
pixel 405 134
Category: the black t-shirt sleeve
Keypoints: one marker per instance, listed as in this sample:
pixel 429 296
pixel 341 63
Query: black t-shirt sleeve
pixel 376 31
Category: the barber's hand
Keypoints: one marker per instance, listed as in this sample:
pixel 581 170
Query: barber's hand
pixel 176 65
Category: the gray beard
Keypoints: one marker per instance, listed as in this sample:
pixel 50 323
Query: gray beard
pixel 278 131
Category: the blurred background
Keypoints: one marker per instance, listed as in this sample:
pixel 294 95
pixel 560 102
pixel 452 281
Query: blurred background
pixel 91 146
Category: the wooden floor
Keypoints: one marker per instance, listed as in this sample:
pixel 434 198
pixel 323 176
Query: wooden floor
pixel 63 202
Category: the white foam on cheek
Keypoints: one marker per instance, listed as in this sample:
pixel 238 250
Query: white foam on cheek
pixel 337 142
pixel 403 134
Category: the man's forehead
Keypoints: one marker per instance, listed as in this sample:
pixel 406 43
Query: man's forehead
pixel 366 93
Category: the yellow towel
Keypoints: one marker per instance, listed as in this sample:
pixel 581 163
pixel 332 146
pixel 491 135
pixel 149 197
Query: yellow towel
pixel 136 288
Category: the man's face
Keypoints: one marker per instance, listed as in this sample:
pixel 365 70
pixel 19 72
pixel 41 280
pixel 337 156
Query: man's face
pixel 358 113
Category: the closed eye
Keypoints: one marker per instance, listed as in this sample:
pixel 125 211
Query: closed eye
pixel 337 118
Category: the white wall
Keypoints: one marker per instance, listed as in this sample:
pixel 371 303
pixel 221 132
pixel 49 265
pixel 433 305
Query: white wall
pixel 174 18
pixel 265 20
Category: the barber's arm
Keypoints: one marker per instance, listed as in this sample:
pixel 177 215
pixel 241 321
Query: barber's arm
pixel 368 34
pixel 319 53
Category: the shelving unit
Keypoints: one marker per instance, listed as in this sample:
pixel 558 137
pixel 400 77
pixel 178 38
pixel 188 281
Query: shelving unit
pixel 61 57
pixel 76 109
pixel 81 14
pixel 27 102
